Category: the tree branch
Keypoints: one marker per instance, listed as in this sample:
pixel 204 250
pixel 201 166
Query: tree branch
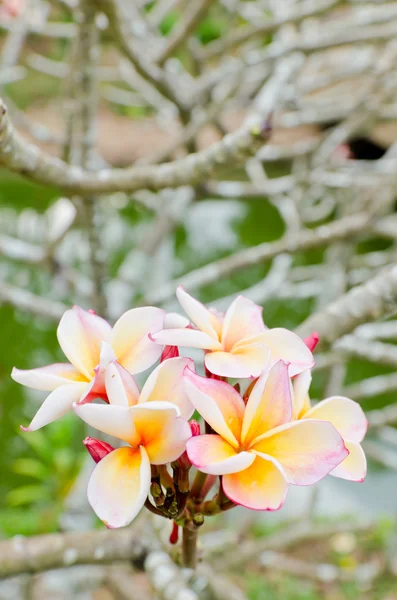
pixel 120 25
pixel 305 9
pixel 36 305
pixel 57 550
pixel 374 299
pixel 25 158
pixel 303 240
pixel 183 31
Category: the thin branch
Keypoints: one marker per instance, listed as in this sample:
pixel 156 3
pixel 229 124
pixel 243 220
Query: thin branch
pixel 304 10
pixel 373 386
pixel 120 26
pixel 196 12
pixel 303 240
pixel 36 305
pixel 302 531
pixel 374 351
pixel 25 158
pixel 58 550
pixel 373 300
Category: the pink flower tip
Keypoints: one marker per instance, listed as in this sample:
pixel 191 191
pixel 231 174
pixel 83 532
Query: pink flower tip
pixel 187 371
pixel 195 428
pixel 169 352
pixel 24 428
pixel 312 340
pixel 92 311
pixel 97 448
pixel 174 533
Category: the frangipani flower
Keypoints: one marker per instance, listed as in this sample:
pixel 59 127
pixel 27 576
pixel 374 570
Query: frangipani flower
pixel 152 427
pixel 237 343
pixel 256 448
pixel 90 344
pixel 347 417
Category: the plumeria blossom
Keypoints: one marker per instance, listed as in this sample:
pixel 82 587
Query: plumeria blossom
pixel 256 448
pixel 237 344
pixel 152 426
pixel 91 344
pixel 347 417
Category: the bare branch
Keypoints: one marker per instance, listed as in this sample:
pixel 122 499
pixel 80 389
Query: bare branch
pixel 304 10
pixel 57 550
pixel 24 158
pixel 373 300
pixel 50 309
pixel 114 10
pixel 303 240
pixel 177 38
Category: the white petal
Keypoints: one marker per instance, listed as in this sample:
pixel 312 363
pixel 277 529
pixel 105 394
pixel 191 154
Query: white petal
pixel 161 431
pixel 199 314
pixel 186 337
pixel 300 398
pixel 166 383
pixel 284 345
pixel 57 404
pixel 47 378
pixel 113 420
pixel 213 455
pixel 131 341
pixel 219 404
pixel 243 319
pixel 345 415
pixel 241 362
pixel 80 334
pixel 269 404
pixel 354 467
pixel 119 486
pixel 175 321
pixel 121 388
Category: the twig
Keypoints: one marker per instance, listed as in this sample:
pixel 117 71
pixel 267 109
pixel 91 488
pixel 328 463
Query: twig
pixel 24 158
pixel 368 302
pixel 31 303
pixel 304 10
pixel 122 36
pixel 304 240
pixel 195 13
pixel 374 351
pixel 58 550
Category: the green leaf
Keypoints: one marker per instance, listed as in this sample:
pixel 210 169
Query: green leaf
pixel 26 494
pixel 30 467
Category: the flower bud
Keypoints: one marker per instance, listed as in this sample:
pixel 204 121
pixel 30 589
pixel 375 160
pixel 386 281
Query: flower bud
pixel 312 340
pixel 194 428
pixel 174 533
pixel 169 352
pixel 183 461
pixel 97 448
pixel 198 519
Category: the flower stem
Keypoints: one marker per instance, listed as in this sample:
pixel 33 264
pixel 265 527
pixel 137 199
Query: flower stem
pixel 197 487
pixel 189 546
pixel 153 509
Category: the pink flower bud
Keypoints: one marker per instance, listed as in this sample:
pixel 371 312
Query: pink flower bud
pixel 183 460
pixel 195 428
pixel 97 448
pixel 312 340
pixel 174 533
pixel 169 352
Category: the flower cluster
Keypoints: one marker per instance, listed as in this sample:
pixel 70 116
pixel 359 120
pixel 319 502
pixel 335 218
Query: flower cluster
pixel 255 443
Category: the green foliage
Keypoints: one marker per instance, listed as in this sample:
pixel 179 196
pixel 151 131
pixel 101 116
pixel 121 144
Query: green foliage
pixel 169 22
pixel 285 588
pixel 46 474
pixel 210 29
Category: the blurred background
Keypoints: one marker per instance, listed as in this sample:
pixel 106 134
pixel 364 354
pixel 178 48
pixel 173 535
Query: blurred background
pixel 325 72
